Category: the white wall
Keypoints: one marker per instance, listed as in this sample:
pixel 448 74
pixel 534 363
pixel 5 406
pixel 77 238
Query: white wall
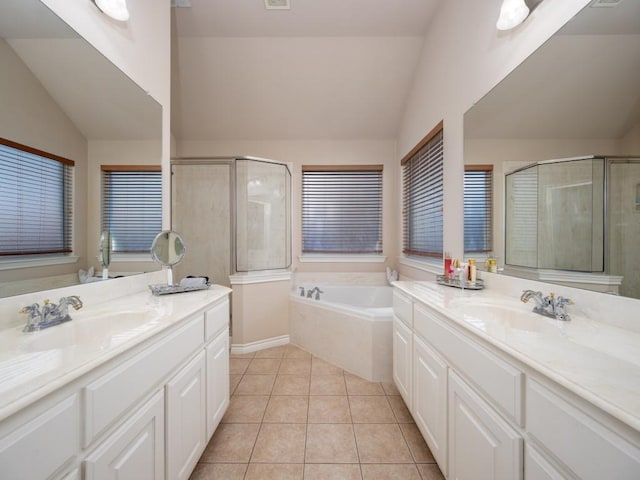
pixel 320 152
pixel 464 57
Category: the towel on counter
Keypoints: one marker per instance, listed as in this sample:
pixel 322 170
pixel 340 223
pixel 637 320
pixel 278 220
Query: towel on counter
pixel 194 281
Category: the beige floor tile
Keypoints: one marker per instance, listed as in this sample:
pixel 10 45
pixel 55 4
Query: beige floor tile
pixel 390 472
pixel 238 365
pixel 332 471
pixel 390 388
pixel 216 471
pixel 430 471
pixel 329 409
pixel 280 443
pixel 293 351
pixel 320 367
pixel 291 385
pixel 417 445
pixel 231 443
pixel 234 380
pixel 255 385
pixel 371 409
pixel 273 352
pixel 275 471
pixel 287 409
pixel 328 385
pixel 331 443
pixel 246 409
pixel 400 409
pixel 295 366
pixel 360 386
pixel 263 365
pixel 380 443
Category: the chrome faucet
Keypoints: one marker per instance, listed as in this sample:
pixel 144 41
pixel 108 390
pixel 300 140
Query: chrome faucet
pixel 50 314
pixel 301 291
pixel 549 306
pixel 315 290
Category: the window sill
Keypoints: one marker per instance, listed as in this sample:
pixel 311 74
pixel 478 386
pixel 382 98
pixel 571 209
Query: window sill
pixel 431 266
pixel 129 257
pixel 12 263
pixel 321 258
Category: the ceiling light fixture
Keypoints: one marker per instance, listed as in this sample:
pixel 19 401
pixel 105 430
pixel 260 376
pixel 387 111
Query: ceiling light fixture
pixel 512 14
pixel 116 9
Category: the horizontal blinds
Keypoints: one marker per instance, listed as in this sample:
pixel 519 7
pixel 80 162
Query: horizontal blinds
pixel 422 181
pixel 478 211
pixel 36 198
pixel 132 207
pixel 342 210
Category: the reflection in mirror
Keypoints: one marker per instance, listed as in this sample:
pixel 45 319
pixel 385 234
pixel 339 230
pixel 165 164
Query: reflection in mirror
pixel 577 96
pixel 168 249
pixel 105 249
pixel 60 95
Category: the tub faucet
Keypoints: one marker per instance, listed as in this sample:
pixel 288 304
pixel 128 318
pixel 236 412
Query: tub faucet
pixel 549 306
pixel 50 314
pixel 315 290
pixel 301 291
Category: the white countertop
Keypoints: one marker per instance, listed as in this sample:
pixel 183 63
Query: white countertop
pixel 597 361
pixel 33 365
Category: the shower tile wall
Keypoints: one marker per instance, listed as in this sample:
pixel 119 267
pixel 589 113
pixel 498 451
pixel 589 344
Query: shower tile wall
pixel 624 226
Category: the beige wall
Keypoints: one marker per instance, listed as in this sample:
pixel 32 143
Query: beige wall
pixel 29 115
pixel 464 57
pixel 320 152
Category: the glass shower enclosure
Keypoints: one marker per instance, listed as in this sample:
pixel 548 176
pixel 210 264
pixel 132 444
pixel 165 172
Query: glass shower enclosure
pixel 234 214
pixel 577 214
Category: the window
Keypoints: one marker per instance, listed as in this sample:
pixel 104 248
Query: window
pixel 422 184
pixel 342 209
pixel 478 212
pixel 36 197
pixel 132 206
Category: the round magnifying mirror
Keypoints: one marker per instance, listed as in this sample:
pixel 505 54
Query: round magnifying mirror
pixel 168 249
pixel 105 248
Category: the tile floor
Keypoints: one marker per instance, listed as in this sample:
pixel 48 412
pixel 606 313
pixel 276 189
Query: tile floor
pixel 294 416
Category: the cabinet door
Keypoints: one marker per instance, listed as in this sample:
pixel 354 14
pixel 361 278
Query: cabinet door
pixel 217 381
pixel 135 451
pixel 536 467
pixel 402 351
pixel 186 427
pixel 430 399
pixel 482 446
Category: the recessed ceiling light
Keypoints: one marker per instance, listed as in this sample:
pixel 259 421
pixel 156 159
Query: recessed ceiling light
pixel 605 3
pixel 277 4
pixel 116 9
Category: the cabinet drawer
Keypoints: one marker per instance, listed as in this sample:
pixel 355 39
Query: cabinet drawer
pixel 113 394
pixel 216 319
pixel 40 447
pixel 587 447
pixel 403 307
pixel 498 380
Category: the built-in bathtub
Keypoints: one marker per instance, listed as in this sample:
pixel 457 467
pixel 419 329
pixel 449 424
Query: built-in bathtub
pixel 349 326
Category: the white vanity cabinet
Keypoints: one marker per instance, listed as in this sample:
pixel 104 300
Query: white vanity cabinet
pixel 430 399
pixel 403 345
pixel 146 413
pixel 487 415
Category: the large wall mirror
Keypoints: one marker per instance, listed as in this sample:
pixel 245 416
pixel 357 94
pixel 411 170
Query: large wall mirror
pixel 578 95
pixel 60 95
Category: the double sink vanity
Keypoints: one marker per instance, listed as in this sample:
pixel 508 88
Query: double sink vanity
pixel 133 387
pixel 500 392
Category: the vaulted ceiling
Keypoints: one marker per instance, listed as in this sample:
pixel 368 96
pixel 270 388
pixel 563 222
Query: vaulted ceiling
pixel 322 70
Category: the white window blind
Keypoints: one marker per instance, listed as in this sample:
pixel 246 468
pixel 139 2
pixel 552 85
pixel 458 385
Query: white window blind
pixel 342 209
pixel 422 183
pixel 36 197
pixel 131 206
pixel 478 211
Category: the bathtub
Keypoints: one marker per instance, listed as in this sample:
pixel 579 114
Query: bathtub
pixel 349 326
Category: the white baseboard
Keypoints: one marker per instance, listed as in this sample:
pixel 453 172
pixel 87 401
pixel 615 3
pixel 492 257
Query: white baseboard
pixel 239 349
